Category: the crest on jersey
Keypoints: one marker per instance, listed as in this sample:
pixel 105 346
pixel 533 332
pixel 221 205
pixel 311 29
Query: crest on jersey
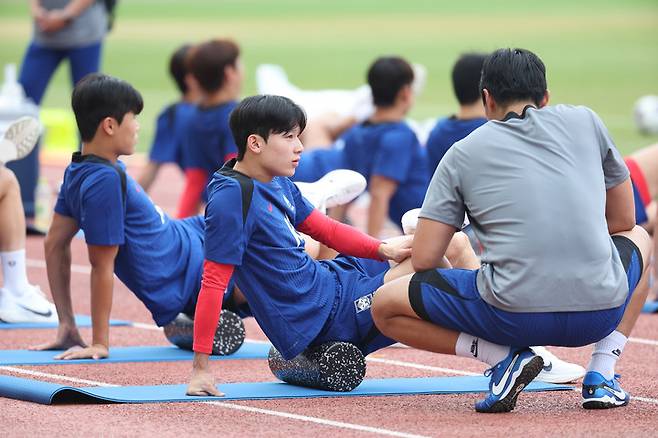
pixel 363 303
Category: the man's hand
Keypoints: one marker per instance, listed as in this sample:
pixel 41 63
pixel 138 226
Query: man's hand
pixel 397 249
pixel 202 383
pixel 66 338
pixel 96 352
pixel 54 20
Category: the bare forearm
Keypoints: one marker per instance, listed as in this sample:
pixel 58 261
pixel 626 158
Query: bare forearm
pixel 58 267
pixel 148 175
pixel 102 282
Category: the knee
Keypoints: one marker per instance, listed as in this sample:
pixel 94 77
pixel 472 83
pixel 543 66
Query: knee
pixel 458 246
pixel 382 307
pixel 8 180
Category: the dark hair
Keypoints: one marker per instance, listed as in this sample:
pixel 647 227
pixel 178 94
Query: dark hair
pixel 386 77
pixel 466 77
pixel 512 75
pixel 264 115
pixel 178 67
pixel 209 60
pixel 97 96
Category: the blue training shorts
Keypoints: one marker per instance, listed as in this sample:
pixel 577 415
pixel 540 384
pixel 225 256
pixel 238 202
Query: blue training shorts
pixel 449 298
pixel 350 319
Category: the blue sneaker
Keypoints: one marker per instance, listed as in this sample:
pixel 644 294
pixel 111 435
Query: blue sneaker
pixel 508 378
pixel 599 393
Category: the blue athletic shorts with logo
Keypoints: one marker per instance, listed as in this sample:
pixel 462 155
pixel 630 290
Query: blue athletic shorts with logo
pixel 350 319
pixel 449 298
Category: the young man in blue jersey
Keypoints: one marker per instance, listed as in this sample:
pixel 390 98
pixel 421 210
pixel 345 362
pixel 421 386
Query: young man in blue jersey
pixel 157 258
pixel 217 69
pixel 253 221
pixel 384 149
pixel 550 199
pixel 448 130
pixel 172 123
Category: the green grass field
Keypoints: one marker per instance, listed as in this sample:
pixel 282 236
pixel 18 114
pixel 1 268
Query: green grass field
pixel 599 53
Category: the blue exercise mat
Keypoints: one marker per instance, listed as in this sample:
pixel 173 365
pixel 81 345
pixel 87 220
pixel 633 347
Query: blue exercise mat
pixel 51 393
pixel 80 321
pixel 650 307
pixel 249 350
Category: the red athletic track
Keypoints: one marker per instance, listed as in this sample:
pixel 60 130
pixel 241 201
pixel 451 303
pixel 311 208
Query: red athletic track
pixel 539 414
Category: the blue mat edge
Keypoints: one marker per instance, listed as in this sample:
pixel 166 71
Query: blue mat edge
pixel 49 393
pixel 249 350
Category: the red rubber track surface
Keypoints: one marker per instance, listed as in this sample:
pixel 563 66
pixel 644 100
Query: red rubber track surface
pixel 536 414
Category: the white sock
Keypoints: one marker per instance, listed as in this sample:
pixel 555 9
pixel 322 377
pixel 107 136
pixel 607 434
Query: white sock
pixel 485 351
pixel 14 271
pixel 606 353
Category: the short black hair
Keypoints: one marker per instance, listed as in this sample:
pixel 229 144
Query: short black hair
pixel 512 75
pixel 263 115
pixel 208 61
pixel 178 66
pixel 386 77
pixel 97 96
pixel 466 77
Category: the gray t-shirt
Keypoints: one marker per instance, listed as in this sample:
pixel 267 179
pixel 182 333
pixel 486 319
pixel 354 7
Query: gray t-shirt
pixel 88 28
pixel 534 189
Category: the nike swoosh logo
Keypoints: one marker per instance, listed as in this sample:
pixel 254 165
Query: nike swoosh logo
pixel 497 388
pixel 47 314
pixel 619 394
pixel 548 367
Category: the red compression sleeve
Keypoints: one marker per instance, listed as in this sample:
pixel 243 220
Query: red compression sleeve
pixel 209 304
pixel 341 237
pixel 195 182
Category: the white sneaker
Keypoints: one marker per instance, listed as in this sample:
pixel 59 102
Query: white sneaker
pixel 31 306
pixel 556 370
pixel 337 187
pixel 19 139
pixel 409 221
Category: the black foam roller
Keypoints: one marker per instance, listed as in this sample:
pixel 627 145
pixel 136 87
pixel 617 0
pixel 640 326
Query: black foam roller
pixel 229 335
pixel 333 366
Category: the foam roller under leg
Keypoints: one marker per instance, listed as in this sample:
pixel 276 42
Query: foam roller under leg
pixel 332 366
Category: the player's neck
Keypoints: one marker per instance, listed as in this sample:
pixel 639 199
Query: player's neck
pixel 388 114
pixel 471 111
pixel 100 149
pixel 253 170
pixel 514 107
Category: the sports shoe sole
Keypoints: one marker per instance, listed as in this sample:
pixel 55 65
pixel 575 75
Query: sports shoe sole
pixel 508 403
pixel 23 134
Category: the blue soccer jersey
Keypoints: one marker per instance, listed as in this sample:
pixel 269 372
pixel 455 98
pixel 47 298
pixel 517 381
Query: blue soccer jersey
pixel 159 259
pixel 171 128
pixel 251 225
pixel 209 141
pixel 390 150
pixel 445 133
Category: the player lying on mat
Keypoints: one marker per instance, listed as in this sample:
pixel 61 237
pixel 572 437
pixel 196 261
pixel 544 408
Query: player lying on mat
pixel 298 302
pixel 550 199
pixel 159 259
pixel 20 301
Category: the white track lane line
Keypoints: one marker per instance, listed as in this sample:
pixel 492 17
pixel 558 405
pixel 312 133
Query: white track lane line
pixel 288 415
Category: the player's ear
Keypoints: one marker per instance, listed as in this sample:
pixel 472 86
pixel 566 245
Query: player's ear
pixel 108 125
pixel 255 143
